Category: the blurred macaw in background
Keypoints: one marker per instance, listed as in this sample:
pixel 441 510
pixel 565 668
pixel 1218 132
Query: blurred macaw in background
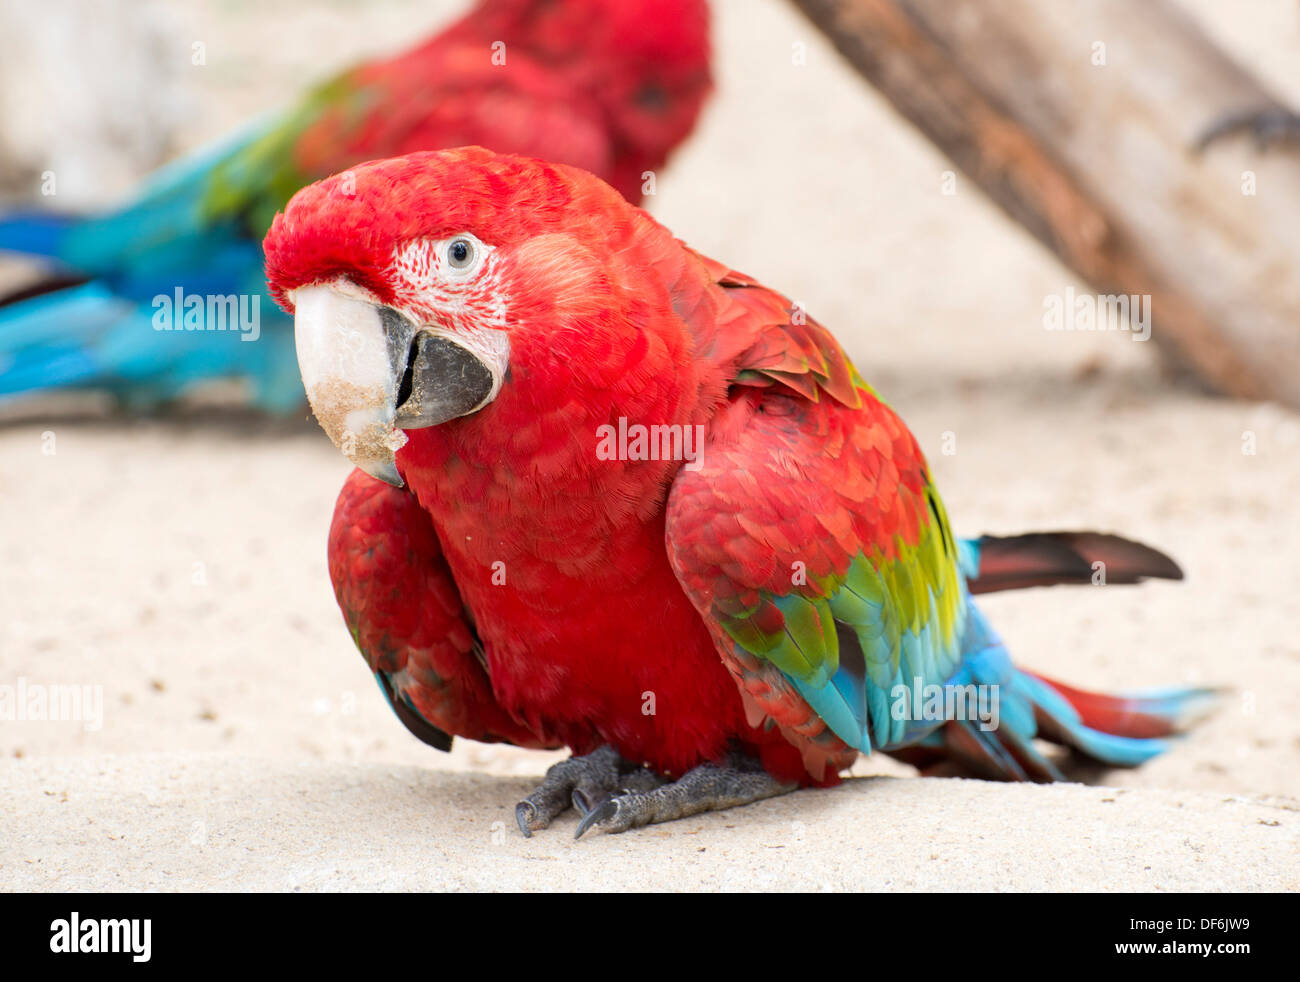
pixel 615 496
pixel 168 291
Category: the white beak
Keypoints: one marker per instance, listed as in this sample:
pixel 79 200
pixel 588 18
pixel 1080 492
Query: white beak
pixel 370 373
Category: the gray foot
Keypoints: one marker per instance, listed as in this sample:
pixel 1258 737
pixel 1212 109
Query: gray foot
pixel 709 787
pixel 580 782
pixel 1269 127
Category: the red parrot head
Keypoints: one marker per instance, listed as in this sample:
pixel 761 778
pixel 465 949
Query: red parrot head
pixel 654 67
pixel 646 61
pixel 480 291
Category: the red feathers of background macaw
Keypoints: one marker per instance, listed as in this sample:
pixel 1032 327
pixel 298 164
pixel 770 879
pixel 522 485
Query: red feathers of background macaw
pixel 611 86
pixel 761 598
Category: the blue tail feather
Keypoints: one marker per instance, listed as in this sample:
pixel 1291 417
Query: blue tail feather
pixel 35 234
pixel 128 263
pixel 1109 748
pixel 89 336
pixel 1031 708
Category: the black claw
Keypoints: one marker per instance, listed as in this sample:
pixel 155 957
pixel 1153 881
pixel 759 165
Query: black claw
pixel 581 802
pixel 524 814
pixel 601 813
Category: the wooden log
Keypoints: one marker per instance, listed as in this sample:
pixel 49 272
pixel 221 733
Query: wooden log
pixel 1079 120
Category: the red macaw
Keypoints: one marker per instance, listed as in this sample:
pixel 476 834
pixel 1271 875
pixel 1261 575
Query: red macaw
pixel 618 497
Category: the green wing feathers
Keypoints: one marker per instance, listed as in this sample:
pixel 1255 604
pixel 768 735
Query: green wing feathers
pixel 812 539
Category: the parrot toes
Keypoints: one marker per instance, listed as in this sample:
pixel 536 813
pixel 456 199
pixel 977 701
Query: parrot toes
pixel 605 814
pixel 539 808
pixel 577 782
pixel 609 792
pixel 581 801
pixel 586 795
pixel 526 816
pixel 709 787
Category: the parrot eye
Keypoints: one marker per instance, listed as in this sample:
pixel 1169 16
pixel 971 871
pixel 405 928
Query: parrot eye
pixel 652 97
pixel 461 253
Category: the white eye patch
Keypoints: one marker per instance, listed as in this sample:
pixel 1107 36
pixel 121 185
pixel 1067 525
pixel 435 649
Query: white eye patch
pixel 430 263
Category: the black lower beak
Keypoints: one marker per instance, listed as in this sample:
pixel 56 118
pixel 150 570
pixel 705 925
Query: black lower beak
pixel 442 380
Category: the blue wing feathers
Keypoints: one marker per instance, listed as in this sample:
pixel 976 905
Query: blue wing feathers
pixel 102 333
pixel 34 233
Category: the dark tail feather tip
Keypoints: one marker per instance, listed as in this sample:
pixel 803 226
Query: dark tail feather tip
pixel 1048 558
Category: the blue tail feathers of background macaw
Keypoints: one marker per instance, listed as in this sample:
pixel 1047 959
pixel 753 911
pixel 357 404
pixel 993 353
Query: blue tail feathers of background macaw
pixel 35 233
pixel 120 329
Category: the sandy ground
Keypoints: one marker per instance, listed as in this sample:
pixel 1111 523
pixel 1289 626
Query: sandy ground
pixel 187 822
pixel 177 566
